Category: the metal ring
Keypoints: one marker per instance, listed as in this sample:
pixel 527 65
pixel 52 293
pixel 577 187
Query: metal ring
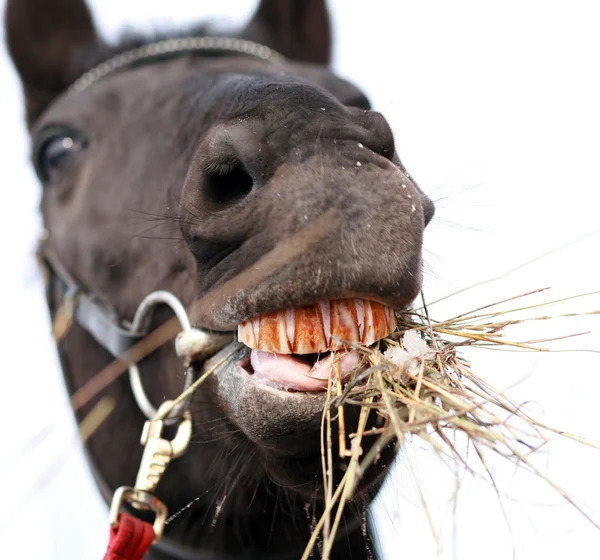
pixel 146 306
pixel 141 500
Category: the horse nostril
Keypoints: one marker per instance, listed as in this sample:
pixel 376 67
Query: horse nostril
pixel 226 183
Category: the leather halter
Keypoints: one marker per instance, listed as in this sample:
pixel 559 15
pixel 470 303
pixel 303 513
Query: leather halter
pixel 101 321
pixel 113 334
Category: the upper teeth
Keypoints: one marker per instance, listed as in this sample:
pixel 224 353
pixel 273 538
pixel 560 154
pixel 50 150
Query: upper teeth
pixel 318 328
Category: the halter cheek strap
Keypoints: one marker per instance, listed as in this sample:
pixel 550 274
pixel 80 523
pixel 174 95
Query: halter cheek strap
pixel 97 319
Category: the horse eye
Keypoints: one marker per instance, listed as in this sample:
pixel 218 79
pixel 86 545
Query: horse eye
pixel 54 154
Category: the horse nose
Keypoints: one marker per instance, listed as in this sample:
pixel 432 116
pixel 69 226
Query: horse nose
pixel 299 211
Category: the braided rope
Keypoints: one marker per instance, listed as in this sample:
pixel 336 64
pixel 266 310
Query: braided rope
pixel 174 46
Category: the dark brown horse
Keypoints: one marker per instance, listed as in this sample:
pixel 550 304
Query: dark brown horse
pixel 285 192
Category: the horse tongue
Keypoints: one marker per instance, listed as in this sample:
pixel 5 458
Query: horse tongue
pixel 287 371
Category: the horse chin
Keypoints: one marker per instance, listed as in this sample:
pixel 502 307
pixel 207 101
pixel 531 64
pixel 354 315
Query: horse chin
pixel 286 425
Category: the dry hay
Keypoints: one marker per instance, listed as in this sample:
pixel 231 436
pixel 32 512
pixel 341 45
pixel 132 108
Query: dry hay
pixel 422 386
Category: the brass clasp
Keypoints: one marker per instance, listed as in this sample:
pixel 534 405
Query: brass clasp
pixel 158 453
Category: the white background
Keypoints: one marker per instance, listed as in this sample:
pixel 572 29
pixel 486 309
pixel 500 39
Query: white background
pixel 496 113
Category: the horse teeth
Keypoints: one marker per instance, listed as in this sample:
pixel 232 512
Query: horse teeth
pixel 272 333
pixel 246 334
pixel 369 333
pixel 318 328
pixel 344 324
pixel 325 309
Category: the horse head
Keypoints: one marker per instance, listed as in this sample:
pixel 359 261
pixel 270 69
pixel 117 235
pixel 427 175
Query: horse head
pixel 261 190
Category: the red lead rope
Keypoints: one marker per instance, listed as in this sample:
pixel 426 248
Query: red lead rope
pixel 130 539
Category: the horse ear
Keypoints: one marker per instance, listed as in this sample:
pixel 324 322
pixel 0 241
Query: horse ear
pixel 298 29
pixel 50 42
